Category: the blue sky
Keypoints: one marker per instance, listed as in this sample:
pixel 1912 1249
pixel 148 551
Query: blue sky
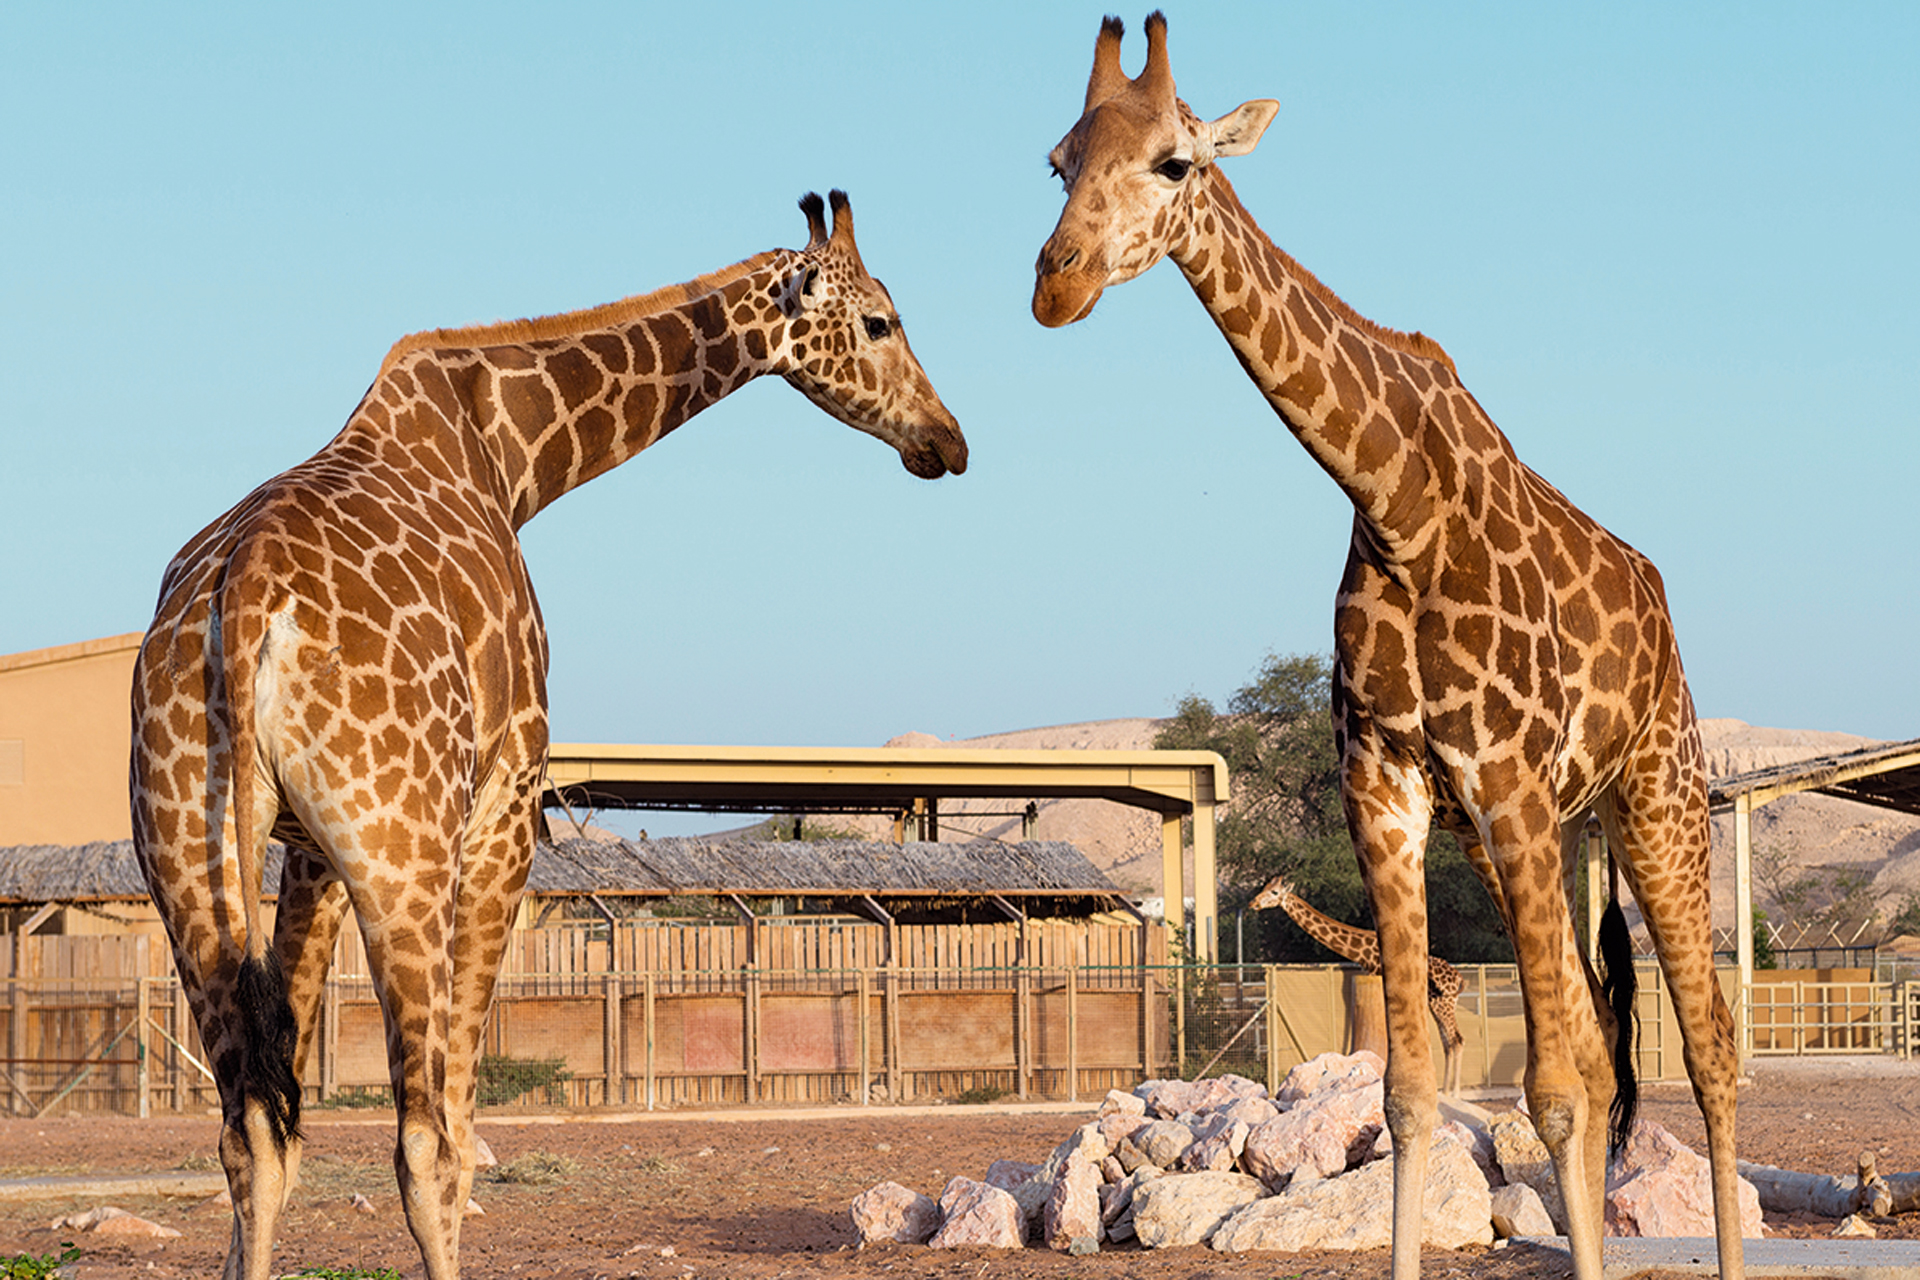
pixel 1670 248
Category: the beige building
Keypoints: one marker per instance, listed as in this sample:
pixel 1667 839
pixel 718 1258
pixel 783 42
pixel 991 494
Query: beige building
pixel 63 742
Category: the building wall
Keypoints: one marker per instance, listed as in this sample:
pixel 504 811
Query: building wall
pixel 63 742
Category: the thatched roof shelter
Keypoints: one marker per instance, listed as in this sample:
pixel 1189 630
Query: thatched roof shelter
pixel 1044 877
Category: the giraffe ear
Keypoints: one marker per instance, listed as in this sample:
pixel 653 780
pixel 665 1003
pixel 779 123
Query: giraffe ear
pixel 1235 133
pixel 803 290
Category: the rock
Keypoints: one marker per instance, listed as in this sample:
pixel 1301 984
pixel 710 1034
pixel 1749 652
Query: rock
pixel 1522 1158
pixel 1028 1184
pixel 473 1209
pixel 892 1212
pixel 1518 1211
pixel 1329 1069
pixel 1161 1142
pixel 973 1213
pixel 1116 1125
pixel 1659 1187
pixel 1118 1103
pixel 1322 1133
pixel 1219 1149
pixel 1170 1098
pixel 360 1204
pixel 1111 1170
pixel 1249 1111
pixel 1071 1216
pixel 1853 1225
pixel 1356 1211
pixel 483 1157
pixel 1186 1208
pixel 110 1221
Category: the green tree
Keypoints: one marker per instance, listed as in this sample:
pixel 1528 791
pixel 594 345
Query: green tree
pixel 1285 815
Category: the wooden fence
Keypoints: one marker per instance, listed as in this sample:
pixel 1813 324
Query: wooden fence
pixel 832 1012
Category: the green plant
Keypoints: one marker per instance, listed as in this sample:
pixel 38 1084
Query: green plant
pixel 355 1097
pixel 30 1266
pixel 536 1169
pixel 503 1080
pixel 1907 920
pixel 1763 957
pixel 979 1095
pixel 347 1273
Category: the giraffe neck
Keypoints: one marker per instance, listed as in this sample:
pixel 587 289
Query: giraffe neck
pixel 1355 394
pixel 562 399
pixel 1356 945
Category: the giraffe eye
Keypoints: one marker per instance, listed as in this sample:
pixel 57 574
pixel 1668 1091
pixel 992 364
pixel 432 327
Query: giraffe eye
pixel 1057 172
pixel 1173 169
pixel 878 327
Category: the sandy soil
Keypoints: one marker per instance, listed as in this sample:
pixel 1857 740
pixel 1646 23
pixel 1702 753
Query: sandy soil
pixel 760 1196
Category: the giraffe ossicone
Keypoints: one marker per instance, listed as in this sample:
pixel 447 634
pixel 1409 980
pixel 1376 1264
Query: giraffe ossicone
pixel 1503 664
pixel 352 661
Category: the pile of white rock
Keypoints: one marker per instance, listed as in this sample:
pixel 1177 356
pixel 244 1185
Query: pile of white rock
pixel 1218 1161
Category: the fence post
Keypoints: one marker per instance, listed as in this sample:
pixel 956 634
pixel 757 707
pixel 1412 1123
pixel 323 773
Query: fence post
pixel 1271 981
pixel 329 1045
pixel 890 1006
pixel 141 1010
pixel 1022 1026
pixel 646 1031
pixel 1180 1022
pixel 182 1018
pixel 866 1036
pixel 1073 1036
pixel 616 1085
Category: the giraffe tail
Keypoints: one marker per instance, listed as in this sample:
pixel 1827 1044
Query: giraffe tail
pixel 269 1030
pixel 1618 986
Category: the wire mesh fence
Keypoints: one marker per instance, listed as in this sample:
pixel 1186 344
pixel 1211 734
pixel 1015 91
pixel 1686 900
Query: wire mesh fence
pixel 859 1035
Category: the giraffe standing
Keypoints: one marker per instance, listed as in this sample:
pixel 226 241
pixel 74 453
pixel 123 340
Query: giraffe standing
pixel 1362 947
pixel 1503 663
pixel 352 660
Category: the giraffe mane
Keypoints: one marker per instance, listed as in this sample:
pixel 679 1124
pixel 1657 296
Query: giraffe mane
pixel 565 324
pixel 1413 343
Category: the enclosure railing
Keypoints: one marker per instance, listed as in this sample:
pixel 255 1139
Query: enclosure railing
pixel 860 1035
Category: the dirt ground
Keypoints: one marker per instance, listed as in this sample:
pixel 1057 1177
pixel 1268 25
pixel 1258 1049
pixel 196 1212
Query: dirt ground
pixel 765 1196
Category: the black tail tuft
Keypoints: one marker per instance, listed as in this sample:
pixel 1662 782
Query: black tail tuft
pixel 266 1072
pixel 1618 985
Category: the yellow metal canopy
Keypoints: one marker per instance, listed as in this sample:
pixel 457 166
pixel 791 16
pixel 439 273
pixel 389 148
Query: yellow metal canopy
pixel 911 781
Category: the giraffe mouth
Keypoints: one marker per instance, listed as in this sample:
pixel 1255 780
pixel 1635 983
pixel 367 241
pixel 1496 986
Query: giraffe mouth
pixel 1061 298
pixel 943 451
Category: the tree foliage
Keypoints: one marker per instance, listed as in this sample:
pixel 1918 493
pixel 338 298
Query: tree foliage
pixel 1285 816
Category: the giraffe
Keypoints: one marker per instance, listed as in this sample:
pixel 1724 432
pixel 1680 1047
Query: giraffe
pixel 1503 664
pixel 352 660
pixel 1362 947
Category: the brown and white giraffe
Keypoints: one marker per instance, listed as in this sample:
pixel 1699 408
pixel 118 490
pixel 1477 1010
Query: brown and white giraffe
pixel 352 660
pixel 1362 947
pixel 1503 663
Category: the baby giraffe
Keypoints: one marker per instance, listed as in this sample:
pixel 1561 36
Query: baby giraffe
pixel 1362 947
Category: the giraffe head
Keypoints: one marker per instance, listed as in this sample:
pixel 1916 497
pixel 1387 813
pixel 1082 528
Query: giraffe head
pixel 1278 890
pixel 1131 167
pixel 845 350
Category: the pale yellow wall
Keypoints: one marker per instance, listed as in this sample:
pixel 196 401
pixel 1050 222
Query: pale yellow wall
pixel 63 742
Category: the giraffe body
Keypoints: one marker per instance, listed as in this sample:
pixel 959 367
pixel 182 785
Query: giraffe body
pixel 1503 664
pixel 1362 947
pixel 352 660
